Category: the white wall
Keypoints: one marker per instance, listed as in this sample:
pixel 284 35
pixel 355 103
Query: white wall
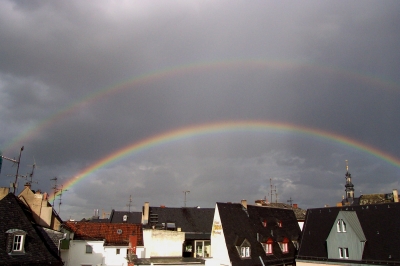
pixel 163 243
pixel 76 254
pixel 219 252
pixel 112 258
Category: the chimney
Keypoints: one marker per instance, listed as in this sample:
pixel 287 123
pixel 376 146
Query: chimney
pixel 145 213
pixel 28 185
pixel 244 203
pixel 395 195
pixel 294 205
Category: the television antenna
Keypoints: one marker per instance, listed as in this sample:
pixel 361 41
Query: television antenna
pixel 30 176
pixel 186 192
pixel 55 188
pixel 14 185
pixel 60 195
pixel 129 203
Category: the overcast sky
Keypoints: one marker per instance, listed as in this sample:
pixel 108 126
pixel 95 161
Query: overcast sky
pixel 81 80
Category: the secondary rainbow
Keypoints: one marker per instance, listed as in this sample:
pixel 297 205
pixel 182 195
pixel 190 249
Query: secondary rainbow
pixel 135 83
pixel 224 127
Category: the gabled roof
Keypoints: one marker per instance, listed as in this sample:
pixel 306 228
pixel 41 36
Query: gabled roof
pixel 132 217
pixel 197 221
pixel 114 234
pixel 239 223
pixel 298 212
pixel 380 224
pixel 16 215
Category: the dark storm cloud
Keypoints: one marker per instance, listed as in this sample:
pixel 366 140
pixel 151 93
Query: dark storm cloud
pixel 329 66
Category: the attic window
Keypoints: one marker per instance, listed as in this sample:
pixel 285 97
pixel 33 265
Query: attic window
pixel 344 253
pixel 280 224
pixel 125 218
pixel 244 249
pixel 341 226
pixel 267 246
pixel 284 245
pixel 15 241
pixel 264 223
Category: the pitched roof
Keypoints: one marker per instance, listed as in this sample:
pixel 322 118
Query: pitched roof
pixel 298 212
pixel 132 217
pixel 196 222
pixel 379 222
pixel 239 223
pixel 16 215
pixel 114 234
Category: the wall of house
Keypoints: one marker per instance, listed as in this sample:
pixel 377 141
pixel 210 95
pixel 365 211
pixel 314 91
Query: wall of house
pixel 112 258
pixel 163 243
pixel 76 254
pixel 4 192
pixel 311 263
pixel 219 252
pixel 348 239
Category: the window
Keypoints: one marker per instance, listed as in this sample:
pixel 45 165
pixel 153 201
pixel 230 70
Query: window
pixel 341 226
pixel 344 253
pixel 264 223
pixel 245 252
pixel 284 245
pixel 89 249
pixel 15 241
pixel 268 246
pixel 280 224
pixel 118 251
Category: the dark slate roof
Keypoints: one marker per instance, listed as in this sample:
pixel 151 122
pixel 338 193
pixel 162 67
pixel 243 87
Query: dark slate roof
pixel 106 231
pixel 16 215
pixel 298 212
pixel 133 217
pixel 380 224
pixel 193 221
pixel 239 224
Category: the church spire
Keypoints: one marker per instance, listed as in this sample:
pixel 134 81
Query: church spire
pixel 349 186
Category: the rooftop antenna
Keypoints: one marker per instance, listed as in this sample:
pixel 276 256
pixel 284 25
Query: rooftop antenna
pixel 14 185
pixel 130 203
pixel 186 192
pixel 290 201
pixel 60 195
pixel 29 177
pixel 273 190
pixel 55 188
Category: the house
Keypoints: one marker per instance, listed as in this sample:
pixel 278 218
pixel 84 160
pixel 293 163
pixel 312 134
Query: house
pixel 125 217
pixel 42 211
pixel 351 235
pixel 253 235
pixel 22 240
pixel 298 212
pixel 101 243
pixel 191 227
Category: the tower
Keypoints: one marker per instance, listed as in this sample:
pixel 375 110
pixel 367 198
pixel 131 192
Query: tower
pixel 349 186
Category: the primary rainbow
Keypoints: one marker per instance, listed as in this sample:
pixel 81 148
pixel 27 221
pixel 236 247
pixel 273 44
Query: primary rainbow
pixel 180 70
pixel 223 127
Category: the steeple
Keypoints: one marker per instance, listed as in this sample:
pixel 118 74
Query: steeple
pixel 349 186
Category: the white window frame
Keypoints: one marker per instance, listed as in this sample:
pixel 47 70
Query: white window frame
pixel 343 253
pixel 267 248
pixel 284 247
pixel 18 243
pixel 341 226
pixel 245 252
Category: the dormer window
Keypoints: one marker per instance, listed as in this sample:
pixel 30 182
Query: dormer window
pixel 343 253
pixel 264 223
pixel 341 225
pixel 244 249
pixel 267 246
pixel 284 245
pixel 15 241
pixel 279 223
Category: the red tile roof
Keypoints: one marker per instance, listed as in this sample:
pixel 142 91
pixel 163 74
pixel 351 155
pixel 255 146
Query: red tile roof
pixel 114 234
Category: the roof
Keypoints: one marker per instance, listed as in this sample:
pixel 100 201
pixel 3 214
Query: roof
pixel 380 224
pixel 114 234
pixel 16 215
pixel 298 212
pixel 132 217
pixel 239 223
pixel 191 220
